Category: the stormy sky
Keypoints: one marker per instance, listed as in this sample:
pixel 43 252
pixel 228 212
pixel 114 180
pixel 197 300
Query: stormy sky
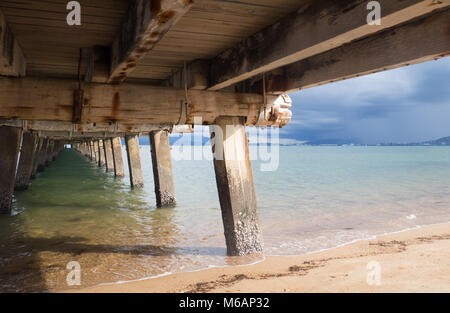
pixel 408 104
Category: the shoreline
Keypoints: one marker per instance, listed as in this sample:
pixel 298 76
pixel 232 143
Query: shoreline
pixel 405 258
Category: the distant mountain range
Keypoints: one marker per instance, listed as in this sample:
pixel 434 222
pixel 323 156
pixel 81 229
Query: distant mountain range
pixel 445 141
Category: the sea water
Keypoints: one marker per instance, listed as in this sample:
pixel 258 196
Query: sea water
pixel 318 198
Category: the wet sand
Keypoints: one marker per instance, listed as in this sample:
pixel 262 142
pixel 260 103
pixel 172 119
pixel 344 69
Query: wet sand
pixel 411 261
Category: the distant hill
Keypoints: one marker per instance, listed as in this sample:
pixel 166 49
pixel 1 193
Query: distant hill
pixel 445 141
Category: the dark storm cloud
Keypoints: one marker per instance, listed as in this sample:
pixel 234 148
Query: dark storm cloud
pixel 402 105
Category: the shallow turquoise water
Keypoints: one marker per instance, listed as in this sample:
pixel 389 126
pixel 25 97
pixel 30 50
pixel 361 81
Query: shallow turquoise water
pixel 319 197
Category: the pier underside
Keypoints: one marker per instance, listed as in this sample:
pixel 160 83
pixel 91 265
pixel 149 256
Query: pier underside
pixel 149 68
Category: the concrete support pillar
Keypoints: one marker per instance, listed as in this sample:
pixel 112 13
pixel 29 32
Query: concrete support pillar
pixel 37 157
pixel 55 150
pixel 9 153
pixel 91 151
pixel 27 156
pixel 107 147
pixel 101 154
pixel 95 144
pixel 134 160
pixel 42 155
pixel 48 154
pixel 236 187
pixel 162 168
pixel 117 156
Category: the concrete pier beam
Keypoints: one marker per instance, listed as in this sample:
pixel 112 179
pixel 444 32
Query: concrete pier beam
pixel 26 163
pixel 236 187
pixel 9 153
pixel 117 156
pixel 134 160
pixel 162 169
pixel 107 147
pixel 101 154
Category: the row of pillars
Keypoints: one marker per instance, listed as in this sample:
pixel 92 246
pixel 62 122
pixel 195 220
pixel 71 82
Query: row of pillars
pixel 232 167
pixel 108 153
pixel 35 155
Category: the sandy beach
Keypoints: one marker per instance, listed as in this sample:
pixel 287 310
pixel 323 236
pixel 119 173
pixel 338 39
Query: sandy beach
pixel 410 261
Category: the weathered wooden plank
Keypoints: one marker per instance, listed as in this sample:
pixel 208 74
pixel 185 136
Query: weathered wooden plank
pixel 9 152
pixel 67 129
pixel 12 60
pixel 134 161
pixel 235 184
pixel 162 169
pixel 52 99
pixel 26 162
pixel 145 25
pixel 316 27
pixel 422 40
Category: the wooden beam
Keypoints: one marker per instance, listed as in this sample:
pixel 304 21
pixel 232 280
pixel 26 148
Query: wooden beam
pixel 162 169
pixel 146 23
pixel 67 129
pixel 419 41
pixel 316 27
pixel 235 184
pixel 26 162
pixel 134 161
pixel 9 152
pixel 133 104
pixel 12 60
